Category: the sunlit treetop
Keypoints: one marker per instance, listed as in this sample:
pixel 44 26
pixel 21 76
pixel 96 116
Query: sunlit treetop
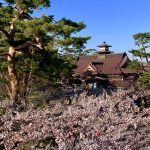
pixel 28 5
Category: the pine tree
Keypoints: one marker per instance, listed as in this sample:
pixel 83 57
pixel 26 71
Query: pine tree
pixel 142 40
pixel 34 45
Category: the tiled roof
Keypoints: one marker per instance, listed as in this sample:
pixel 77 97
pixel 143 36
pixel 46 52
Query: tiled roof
pixel 110 65
pixel 130 70
pixel 83 63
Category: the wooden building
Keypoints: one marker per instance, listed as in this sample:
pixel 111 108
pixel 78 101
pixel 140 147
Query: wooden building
pixel 105 67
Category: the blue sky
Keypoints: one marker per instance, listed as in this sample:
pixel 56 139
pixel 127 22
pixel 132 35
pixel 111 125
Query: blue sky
pixel 113 21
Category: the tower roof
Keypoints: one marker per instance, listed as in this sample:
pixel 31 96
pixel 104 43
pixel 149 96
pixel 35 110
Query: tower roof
pixel 104 45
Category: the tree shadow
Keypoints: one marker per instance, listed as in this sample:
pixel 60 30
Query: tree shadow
pixel 105 89
pixel 70 92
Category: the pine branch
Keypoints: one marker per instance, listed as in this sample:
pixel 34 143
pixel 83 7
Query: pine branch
pixel 22 13
pixel 38 43
pixel 9 35
pixel 5 33
pixel 5 54
pixel 23 46
pixel 12 31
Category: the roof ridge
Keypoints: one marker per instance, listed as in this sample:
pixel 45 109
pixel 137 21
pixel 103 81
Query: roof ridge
pixel 117 53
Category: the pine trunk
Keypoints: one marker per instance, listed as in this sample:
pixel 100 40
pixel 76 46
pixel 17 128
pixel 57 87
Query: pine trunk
pixel 13 77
